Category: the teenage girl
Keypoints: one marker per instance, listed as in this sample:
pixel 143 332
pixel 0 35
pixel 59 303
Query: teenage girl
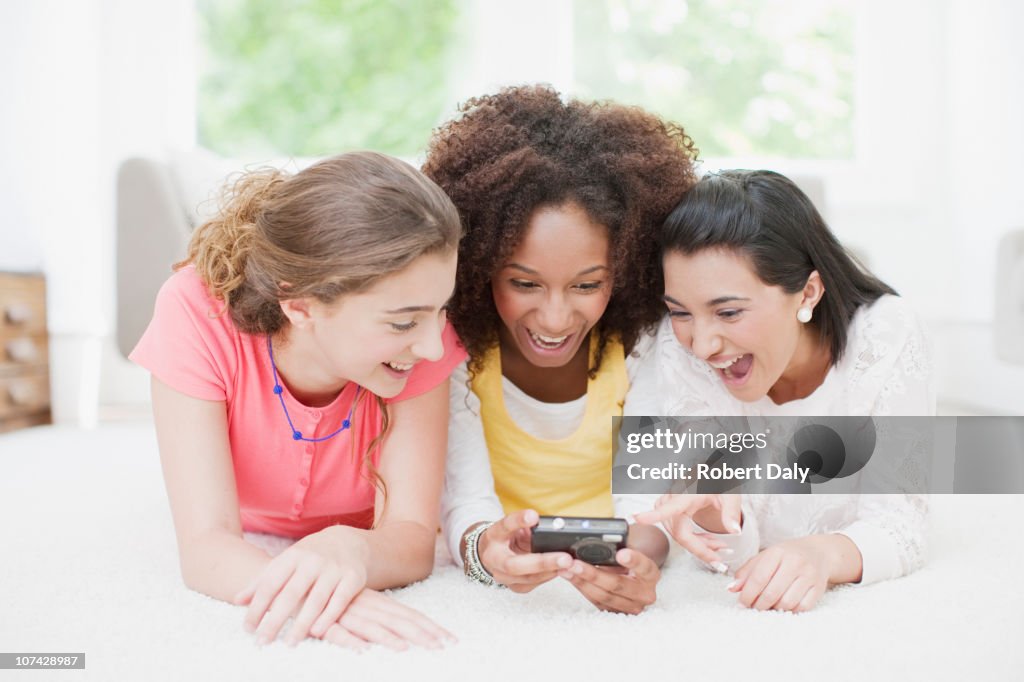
pixel 300 359
pixel 562 202
pixel 768 315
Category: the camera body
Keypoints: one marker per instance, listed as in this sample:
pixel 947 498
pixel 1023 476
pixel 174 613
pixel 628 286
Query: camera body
pixel 593 540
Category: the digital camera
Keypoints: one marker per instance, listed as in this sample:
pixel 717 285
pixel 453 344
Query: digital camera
pixel 593 540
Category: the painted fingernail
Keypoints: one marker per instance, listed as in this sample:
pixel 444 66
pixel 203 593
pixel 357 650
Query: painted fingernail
pixel 733 584
pixel 577 568
pixel 735 526
pixel 631 519
pixel 720 567
pixel 726 550
pixel 564 562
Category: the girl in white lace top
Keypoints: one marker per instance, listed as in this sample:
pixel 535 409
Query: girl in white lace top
pixel 769 316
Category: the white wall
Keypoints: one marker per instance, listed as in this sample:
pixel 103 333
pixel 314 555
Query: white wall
pixel 529 41
pixel 87 83
pixel 937 180
pixel 984 148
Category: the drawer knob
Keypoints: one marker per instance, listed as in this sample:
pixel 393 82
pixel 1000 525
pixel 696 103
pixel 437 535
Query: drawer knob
pixel 22 350
pixel 18 314
pixel 22 394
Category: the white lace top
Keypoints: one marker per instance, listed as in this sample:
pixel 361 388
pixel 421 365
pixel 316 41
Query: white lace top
pixel 885 370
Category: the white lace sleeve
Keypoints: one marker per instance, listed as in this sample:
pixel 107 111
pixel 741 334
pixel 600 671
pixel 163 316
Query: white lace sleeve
pixel 469 495
pixel 890 368
pixel 891 375
pixel 890 534
pixel 642 400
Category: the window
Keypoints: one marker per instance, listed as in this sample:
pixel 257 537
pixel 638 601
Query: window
pixel 772 78
pixel 318 77
pixel 747 79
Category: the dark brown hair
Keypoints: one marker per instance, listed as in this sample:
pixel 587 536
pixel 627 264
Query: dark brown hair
pixel 522 149
pixel 766 217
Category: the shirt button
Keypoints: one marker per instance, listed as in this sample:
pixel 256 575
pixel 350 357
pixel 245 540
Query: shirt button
pixel 303 482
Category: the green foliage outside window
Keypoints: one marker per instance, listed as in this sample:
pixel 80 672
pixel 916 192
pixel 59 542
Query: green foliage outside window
pixel 318 77
pixel 761 77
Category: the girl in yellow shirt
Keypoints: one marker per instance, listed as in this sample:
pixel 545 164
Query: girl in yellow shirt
pixel 558 282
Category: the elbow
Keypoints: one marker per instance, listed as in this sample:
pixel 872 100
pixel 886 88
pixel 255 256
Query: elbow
pixel 191 577
pixel 199 558
pixel 422 564
pixel 410 560
pixel 420 560
pixel 421 570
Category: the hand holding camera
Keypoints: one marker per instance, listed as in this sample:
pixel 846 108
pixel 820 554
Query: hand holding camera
pixel 625 584
pixel 628 587
pixel 505 552
pixel 592 540
pixel 610 568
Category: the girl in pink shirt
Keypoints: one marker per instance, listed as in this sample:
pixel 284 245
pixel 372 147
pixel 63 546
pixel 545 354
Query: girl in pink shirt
pixel 300 359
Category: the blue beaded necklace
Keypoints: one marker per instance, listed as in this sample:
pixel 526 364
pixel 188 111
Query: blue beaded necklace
pixel 278 391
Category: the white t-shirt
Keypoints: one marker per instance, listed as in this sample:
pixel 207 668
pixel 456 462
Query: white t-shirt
pixel 885 371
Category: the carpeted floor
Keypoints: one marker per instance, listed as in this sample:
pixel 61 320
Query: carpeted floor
pixel 88 564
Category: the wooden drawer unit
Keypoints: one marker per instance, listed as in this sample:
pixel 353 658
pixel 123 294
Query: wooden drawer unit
pixel 24 352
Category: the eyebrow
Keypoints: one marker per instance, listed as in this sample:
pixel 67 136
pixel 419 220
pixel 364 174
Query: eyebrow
pixel 410 309
pixel 530 271
pixel 418 308
pixel 713 302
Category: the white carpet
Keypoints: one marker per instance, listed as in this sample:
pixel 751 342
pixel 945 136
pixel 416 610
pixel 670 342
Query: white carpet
pixel 88 563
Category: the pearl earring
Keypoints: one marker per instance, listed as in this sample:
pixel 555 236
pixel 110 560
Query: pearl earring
pixel 804 315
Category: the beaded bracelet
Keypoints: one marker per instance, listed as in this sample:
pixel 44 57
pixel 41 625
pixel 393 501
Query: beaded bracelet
pixel 474 567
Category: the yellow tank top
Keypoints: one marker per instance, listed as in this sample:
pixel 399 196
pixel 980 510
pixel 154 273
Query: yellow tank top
pixel 567 477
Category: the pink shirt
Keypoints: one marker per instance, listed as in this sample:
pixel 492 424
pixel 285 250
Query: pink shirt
pixel 285 487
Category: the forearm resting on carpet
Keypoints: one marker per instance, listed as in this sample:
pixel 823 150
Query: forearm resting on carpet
pixel 398 552
pixel 220 564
